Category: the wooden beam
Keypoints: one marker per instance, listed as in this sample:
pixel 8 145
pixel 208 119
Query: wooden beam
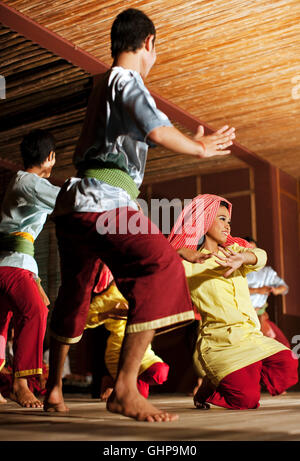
pixel 253 204
pixel 152 177
pixel 280 239
pixel 240 193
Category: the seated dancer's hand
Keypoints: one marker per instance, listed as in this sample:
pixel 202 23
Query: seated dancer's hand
pixel 263 290
pixel 215 143
pixel 193 256
pixel 232 260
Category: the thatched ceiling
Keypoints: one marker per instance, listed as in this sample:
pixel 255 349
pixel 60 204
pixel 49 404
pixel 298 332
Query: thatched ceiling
pixel 233 62
pixel 43 90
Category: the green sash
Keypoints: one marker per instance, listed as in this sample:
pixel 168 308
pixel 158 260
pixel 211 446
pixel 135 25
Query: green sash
pixel 114 177
pixel 10 242
pixel 262 309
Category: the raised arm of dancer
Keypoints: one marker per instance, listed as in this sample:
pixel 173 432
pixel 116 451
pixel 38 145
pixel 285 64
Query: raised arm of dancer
pixel 199 145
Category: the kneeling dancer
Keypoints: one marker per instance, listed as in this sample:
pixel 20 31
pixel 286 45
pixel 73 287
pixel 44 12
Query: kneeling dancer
pixel 232 350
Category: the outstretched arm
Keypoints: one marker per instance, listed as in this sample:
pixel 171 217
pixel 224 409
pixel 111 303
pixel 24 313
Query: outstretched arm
pixel 200 146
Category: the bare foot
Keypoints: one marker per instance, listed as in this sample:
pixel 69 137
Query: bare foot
pixel 133 405
pixel 25 398
pixel 2 399
pixel 54 401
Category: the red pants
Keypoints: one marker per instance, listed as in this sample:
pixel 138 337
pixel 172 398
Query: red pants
pixel 21 299
pixel 155 374
pixel 240 390
pixel 147 271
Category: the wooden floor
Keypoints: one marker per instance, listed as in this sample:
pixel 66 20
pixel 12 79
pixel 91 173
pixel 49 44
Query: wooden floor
pixel 277 419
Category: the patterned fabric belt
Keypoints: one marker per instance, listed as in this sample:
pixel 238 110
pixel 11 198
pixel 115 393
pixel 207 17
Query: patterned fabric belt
pixel 262 309
pixel 22 242
pixel 114 177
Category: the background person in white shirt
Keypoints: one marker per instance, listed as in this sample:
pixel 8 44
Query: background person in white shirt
pixel 29 199
pixel 261 285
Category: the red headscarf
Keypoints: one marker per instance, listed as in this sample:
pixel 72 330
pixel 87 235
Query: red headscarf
pixel 195 220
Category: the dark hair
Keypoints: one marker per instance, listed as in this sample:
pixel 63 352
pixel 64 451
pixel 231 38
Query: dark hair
pixel 225 204
pixel 129 30
pixel 250 239
pixel 36 146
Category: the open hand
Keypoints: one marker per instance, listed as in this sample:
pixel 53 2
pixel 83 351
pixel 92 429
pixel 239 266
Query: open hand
pixel 215 143
pixel 232 260
pixel 280 290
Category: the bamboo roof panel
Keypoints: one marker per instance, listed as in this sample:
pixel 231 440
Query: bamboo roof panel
pixel 45 91
pixel 223 62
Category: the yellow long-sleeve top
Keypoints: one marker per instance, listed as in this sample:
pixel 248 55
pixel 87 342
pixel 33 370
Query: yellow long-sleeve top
pixel 229 331
pixel 110 308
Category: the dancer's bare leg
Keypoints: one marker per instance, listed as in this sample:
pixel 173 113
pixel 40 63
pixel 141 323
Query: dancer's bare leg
pixel 126 399
pixel 199 383
pixel 23 395
pixel 54 400
pixel 107 386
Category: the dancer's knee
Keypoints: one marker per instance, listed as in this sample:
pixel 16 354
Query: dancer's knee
pixel 244 400
pixel 291 366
